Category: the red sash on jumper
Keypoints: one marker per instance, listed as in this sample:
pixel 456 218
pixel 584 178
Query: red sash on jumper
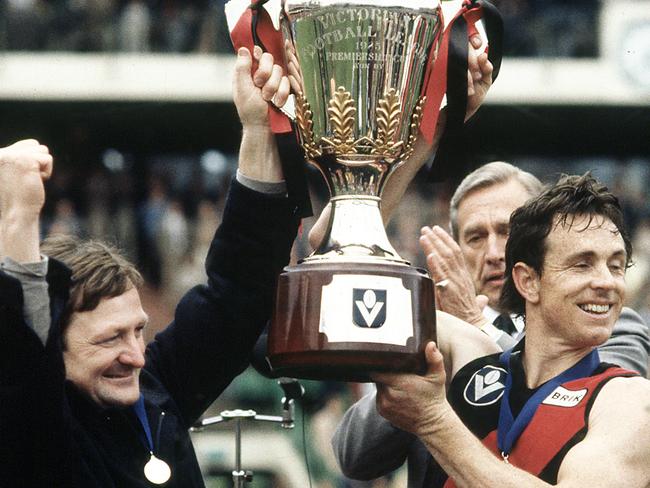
pixel 554 425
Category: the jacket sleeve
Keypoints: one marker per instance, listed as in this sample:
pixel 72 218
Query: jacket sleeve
pixel 216 324
pixel 629 344
pixel 36 307
pixel 368 446
pixel 33 426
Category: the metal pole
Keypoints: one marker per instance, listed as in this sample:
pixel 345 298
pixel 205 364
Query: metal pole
pixel 292 389
pixel 237 474
pixel 238 446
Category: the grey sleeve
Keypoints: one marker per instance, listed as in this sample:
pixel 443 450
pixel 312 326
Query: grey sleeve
pixel 368 446
pixel 35 293
pixel 629 344
pixel 277 188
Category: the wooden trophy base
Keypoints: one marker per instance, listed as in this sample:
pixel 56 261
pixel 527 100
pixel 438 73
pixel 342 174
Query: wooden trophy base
pixel 337 321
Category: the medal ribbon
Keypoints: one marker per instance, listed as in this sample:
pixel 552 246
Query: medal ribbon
pixel 156 470
pixel 509 428
pixel 138 408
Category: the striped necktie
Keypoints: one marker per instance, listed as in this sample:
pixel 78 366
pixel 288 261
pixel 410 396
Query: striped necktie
pixel 504 322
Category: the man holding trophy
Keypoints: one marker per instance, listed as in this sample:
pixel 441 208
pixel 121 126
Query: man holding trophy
pixel 354 310
pixel 83 401
pixel 547 412
pixel 371 80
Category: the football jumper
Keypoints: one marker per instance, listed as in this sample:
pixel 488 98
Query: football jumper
pixel 560 422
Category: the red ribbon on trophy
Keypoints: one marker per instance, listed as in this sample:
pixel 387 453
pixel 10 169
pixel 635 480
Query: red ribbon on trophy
pixel 446 75
pixel 373 79
pixel 255 27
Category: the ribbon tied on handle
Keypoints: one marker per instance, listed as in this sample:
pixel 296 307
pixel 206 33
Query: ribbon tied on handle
pixel 253 24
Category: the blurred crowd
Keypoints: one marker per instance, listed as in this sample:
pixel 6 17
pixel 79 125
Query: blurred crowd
pixel 550 28
pixel 169 26
pixel 544 28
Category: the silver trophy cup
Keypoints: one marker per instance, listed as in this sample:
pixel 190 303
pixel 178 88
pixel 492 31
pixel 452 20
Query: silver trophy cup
pixel 358 69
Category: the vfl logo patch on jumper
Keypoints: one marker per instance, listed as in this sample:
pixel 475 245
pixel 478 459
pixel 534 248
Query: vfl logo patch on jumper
pixel 368 307
pixel 486 386
pixel 561 397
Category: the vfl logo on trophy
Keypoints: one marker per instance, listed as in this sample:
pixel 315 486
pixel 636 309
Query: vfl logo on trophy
pixel 368 307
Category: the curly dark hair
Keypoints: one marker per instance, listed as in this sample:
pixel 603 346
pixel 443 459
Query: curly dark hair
pixel 530 224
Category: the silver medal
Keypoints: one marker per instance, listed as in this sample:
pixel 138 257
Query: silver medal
pixel 157 471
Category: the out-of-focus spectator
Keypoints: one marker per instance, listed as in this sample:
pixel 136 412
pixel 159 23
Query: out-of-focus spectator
pixel 550 28
pixel 66 220
pixel 98 24
pixel 565 29
pixel 26 24
pixel 150 215
pixel 215 36
pixel 177 25
pixel 519 38
pixel 189 267
pixel 134 26
pixel 98 191
pixel 174 239
pixel 81 25
pixel 411 214
pixel 638 276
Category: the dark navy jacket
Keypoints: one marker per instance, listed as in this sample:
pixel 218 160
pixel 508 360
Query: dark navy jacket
pixel 53 436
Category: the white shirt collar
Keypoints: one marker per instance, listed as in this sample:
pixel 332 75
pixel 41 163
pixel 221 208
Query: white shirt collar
pixel 490 314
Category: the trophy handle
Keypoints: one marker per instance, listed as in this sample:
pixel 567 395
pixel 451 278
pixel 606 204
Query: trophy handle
pixel 473 17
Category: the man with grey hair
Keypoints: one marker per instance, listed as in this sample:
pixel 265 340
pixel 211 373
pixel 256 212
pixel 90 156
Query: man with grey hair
pixel 471 265
pixel 469 273
pixel 469 268
pixel 487 175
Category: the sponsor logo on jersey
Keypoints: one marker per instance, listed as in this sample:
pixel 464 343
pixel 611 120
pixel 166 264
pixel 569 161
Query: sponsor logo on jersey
pixel 561 397
pixel 486 386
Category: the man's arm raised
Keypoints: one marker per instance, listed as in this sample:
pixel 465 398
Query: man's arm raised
pixel 479 81
pixel 258 155
pixel 24 166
